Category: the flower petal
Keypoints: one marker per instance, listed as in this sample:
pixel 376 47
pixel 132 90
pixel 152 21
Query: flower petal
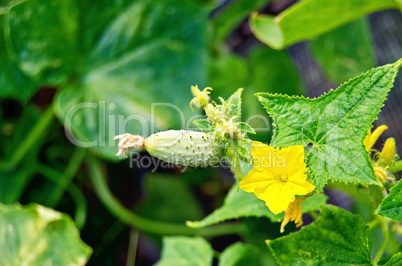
pixel 256 181
pixel 294 159
pixel 300 186
pixel 278 197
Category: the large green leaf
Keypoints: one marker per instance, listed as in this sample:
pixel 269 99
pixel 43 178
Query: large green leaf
pixel 297 22
pixel 226 21
pixel 337 237
pixel 151 53
pixel 35 235
pixel 94 17
pixel 43 35
pixel 239 203
pixel 227 72
pixel 274 71
pixel 335 124
pixel 345 52
pixel 181 250
pixel 13 83
pixel 391 206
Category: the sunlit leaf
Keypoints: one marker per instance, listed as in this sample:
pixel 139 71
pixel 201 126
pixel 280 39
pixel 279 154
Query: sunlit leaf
pixel 297 23
pixel 35 235
pixel 334 125
pixel 337 237
pixel 181 250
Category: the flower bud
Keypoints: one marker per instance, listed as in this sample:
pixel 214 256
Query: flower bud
pixel 371 138
pixel 387 154
pixel 201 98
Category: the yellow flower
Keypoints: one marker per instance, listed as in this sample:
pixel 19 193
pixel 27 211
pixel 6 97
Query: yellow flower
pixel 277 176
pixel 371 138
pixel 293 213
pixel 201 98
pixel 381 173
pixel 387 155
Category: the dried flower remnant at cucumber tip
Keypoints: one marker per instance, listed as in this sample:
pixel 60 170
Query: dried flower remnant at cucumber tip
pixel 128 142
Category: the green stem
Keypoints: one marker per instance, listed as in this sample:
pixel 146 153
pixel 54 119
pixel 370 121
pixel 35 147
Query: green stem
pixel 36 133
pixel 80 215
pixel 313 215
pixel 373 223
pixel 385 230
pixel 144 224
pixel 71 170
pixel 132 247
pixel 396 168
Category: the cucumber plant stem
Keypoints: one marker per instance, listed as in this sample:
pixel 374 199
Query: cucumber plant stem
pixel 36 133
pixel 143 224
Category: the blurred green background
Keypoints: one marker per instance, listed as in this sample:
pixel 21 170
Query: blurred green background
pixel 73 69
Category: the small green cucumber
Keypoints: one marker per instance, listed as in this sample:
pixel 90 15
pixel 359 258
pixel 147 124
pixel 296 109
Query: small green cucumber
pixel 187 148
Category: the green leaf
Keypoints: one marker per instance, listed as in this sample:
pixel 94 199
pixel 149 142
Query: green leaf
pixel 297 22
pixel 235 100
pixel 337 237
pixel 345 52
pixel 168 199
pixel 239 254
pixel 13 83
pixel 35 235
pixel 147 55
pixel 227 71
pixel 231 17
pixel 243 151
pixel 181 250
pixel 396 259
pixel 43 35
pixel 202 124
pixel 246 128
pixel 94 17
pixel 239 203
pixel 391 206
pixel 267 76
pixel 334 124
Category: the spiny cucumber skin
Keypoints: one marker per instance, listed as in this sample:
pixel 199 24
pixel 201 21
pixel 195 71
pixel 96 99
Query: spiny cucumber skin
pixel 187 148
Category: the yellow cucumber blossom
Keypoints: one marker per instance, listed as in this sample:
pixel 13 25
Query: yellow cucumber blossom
pixel 387 155
pixel 371 138
pixel 201 98
pixel 381 173
pixel 383 160
pixel 277 176
pixel 293 213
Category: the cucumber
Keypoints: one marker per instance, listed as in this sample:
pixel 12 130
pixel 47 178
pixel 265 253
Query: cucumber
pixel 183 147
